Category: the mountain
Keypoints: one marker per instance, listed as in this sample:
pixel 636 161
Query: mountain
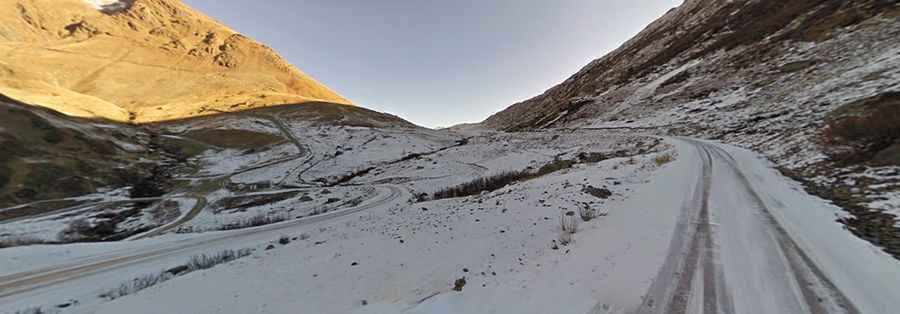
pixel 46 155
pixel 814 85
pixel 50 160
pixel 140 61
pixel 725 42
pixel 91 91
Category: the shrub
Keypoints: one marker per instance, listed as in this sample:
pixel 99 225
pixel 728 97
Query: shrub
pixel 568 222
pixel 136 285
pixel 497 181
pixel 880 127
pixel 591 157
pixel 196 262
pixel 33 310
pixel 459 284
pixel 203 261
pixel 587 213
pixel 255 221
pixel 479 185
pixel 663 159
pixel 556 165
pixel 148 186
pixel 350 176
pixel 873 126
pixel 601 193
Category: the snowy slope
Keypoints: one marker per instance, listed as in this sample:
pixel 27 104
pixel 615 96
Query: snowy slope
pixel 773 76
pixel 404 258
pixel 502 242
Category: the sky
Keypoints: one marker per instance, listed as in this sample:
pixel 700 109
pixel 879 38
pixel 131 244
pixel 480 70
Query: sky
pixel 438 63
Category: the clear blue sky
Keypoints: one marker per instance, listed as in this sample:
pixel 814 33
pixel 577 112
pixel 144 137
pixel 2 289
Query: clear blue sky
pixel 438 63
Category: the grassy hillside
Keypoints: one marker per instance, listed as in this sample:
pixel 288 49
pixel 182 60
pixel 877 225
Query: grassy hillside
pixel 142 61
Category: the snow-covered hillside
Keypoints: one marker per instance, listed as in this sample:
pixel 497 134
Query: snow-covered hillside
pixel 812 85
pixel 631 224
pixel 242 181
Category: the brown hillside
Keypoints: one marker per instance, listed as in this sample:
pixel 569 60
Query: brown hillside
pixel 139 61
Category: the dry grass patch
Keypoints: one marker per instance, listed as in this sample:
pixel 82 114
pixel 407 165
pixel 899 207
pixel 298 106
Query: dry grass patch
pixel 865 131
pixel 663 159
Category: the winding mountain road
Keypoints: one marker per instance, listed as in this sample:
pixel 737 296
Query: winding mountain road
pixel 198 207
pixel 83 270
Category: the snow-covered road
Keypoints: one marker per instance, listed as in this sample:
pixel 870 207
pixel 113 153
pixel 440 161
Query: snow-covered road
pixel 749 241
pixel 68 278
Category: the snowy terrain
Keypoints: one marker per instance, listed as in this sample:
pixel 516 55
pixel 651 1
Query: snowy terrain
pixel 330 238
pixel 812 85
pixel 682 173
pixel 332 188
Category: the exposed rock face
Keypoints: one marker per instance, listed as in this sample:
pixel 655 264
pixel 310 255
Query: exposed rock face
pixel 812 84
pixel 139 61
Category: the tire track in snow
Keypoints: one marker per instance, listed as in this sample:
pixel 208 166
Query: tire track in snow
pixel 692 278
pixel 819 293
pixel 693 255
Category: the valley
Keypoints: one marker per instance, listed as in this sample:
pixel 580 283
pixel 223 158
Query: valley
pixel 667 221
pixel 733 157
pixel 311 176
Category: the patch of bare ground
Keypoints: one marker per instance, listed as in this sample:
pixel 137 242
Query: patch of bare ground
pixel 865 132
pixel 861 135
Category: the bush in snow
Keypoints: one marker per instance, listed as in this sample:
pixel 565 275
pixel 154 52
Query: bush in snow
pixel 459 284
pixel 601 193
pixel 255 221
pixel 136 285
pixel 663 159
pixel 34 310
pixel 556 165
pixel 203 261
pixel 479 185
pixel 500 180
pixel 587 213
pixel 568 222
pixel 196 262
